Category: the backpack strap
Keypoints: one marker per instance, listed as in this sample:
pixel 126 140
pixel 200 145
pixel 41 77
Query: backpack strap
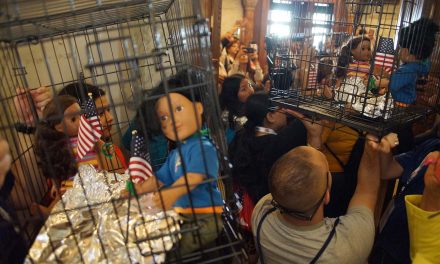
pixel 329 238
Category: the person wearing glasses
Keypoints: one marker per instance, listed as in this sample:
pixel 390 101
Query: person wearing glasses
pixel 289 224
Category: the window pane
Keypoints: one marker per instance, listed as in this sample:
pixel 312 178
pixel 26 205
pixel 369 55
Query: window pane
pixel 279 30
pixel 281 1
pixel 321 18
pixel 279 16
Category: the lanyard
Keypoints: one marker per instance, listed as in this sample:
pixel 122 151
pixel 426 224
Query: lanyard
pixel 412 177
pixel 265 130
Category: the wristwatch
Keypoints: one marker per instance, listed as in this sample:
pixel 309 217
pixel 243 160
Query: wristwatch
pixel 24 128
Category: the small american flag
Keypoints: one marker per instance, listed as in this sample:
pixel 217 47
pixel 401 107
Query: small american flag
pixel 312 78
pixel 90 129
pixel 385 54
pixel 139 166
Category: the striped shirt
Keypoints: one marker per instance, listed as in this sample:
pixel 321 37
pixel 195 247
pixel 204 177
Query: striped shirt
pixel 90 158
pixel 359 69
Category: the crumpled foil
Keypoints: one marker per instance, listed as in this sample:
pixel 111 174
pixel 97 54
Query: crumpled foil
pixel 91 225
pixel 353 91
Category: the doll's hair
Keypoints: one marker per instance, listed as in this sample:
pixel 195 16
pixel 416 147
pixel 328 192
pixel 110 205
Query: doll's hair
pixel 257 107
pixel 325 68
pixel 229 98
pixel 345 55
pixel 52 147
pixel 186 82
pixel 419 38
pixel 81 91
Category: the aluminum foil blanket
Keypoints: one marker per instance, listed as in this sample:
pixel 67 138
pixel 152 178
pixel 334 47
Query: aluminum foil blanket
pixel 91 225
pixel 353 91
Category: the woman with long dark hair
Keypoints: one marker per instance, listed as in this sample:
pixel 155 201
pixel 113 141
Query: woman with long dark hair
pixel 236 90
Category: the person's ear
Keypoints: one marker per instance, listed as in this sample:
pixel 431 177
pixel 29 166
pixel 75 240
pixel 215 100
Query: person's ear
pixel 199 108
pixel 270 117
pixel 327 197
pixel 59 127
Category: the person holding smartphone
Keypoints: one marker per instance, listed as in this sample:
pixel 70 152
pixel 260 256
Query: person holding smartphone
pixel 247 64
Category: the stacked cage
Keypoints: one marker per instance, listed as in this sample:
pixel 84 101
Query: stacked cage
pixel 317 70
pixel 131 52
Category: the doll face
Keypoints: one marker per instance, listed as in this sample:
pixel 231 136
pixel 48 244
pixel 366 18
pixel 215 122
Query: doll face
pixel 187 116
pixel 362 52
pixel 405 56
pixel 70 123
pixel 105 116
pixel 244 91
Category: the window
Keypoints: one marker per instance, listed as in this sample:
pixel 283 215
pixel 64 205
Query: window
pixel 322 21
pixel 287 18
pixel 279 21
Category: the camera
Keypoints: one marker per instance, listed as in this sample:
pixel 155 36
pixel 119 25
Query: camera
pixel 249 50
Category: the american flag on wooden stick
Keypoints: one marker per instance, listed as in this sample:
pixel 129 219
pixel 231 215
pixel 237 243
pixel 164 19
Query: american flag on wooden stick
pixel 139 166
pixel 312 78
pixel 90 129
pixel 385 54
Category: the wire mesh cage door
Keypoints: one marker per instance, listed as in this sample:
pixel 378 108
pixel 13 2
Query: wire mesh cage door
pixel 340 61
pixel 119 61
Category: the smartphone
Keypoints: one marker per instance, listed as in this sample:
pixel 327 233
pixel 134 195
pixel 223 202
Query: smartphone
pixel 248 50
pixel 254 46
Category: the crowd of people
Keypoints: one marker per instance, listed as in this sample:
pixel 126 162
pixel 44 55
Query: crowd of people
pixel 308 188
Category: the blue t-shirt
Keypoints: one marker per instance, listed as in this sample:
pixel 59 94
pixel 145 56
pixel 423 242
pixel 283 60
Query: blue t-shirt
pixel 394 238
pixel 198 156
pixel 403 81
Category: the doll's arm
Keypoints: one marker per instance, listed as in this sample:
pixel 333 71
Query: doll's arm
pixel 179 188
pixel 400 78
pixel 383 82
pixel 149 185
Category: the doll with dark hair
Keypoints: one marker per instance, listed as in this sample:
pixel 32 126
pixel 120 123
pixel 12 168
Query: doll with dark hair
pixel 60 124
pixel 110 155
pixel 354 60
pixel 354 79
pixel 416 43
pixel 190 171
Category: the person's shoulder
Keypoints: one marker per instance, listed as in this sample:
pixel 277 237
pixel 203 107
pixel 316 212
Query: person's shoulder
pixel 263 204
pixel 358 217
pixel 355 233
pixel 359 210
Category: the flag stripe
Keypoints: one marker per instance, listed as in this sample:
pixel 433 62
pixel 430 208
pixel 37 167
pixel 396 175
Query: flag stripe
pixel 136 163
pixel 139 166
pixel 90 130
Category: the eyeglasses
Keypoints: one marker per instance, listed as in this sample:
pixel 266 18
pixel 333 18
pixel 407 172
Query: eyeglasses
pixel 299 214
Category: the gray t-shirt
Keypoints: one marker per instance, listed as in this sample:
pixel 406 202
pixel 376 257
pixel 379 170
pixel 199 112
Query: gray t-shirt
pixel 282 242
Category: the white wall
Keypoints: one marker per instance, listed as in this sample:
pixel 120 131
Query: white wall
pixel 232 10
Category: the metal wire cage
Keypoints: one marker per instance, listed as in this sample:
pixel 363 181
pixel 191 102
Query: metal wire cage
pixel 124 49
pixel 305 65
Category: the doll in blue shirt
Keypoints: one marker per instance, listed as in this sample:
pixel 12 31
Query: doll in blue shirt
pixel 188 179
pixel 416 43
